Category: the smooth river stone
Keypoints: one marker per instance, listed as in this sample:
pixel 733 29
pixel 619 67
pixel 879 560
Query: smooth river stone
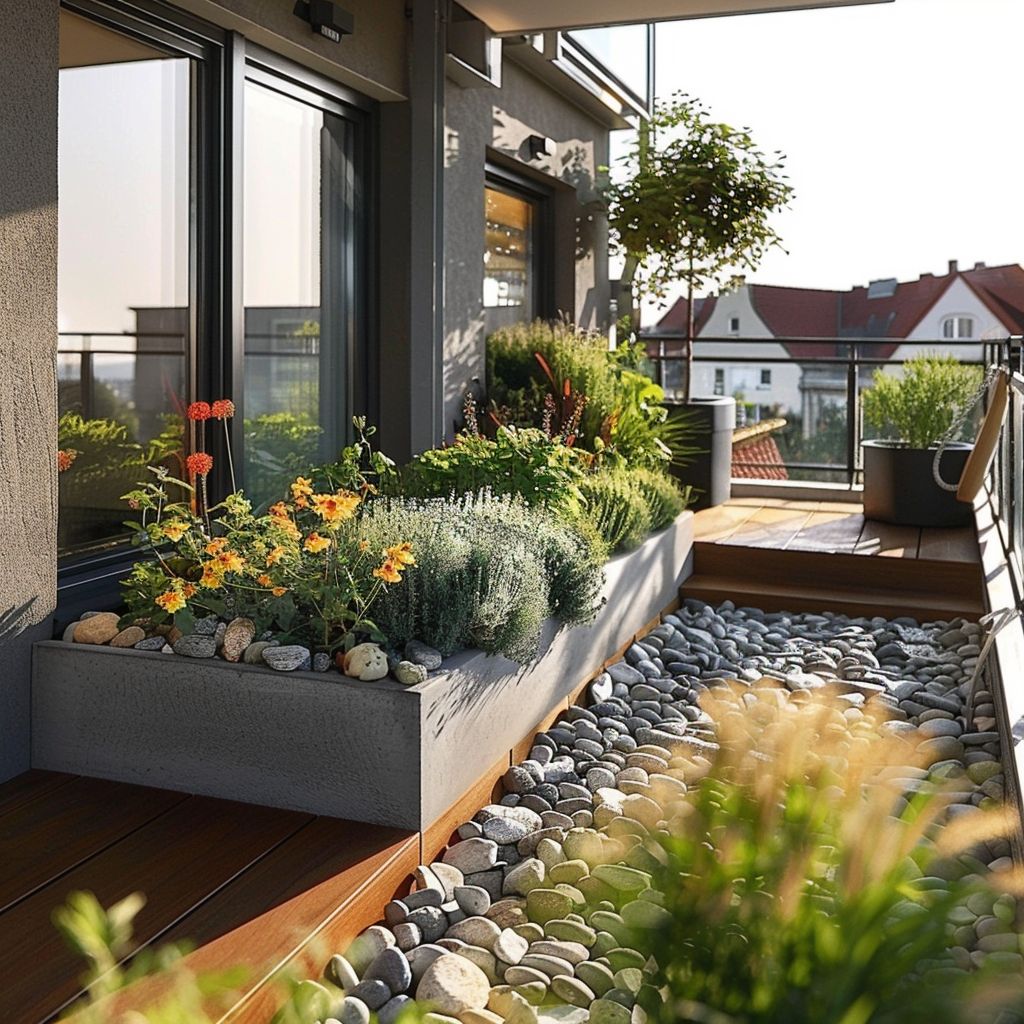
pixel 390 966
pixel 128 637
pixel 290 658
pixel 472 855
pixel 100 628
pixel 475 931
pixel 238 636
pixel 510 947
pixel 195 645
pixel 452 985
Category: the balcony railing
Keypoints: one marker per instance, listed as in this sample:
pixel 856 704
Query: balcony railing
pixel 817 391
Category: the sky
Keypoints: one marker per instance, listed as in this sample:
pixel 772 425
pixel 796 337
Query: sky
pixel 900 123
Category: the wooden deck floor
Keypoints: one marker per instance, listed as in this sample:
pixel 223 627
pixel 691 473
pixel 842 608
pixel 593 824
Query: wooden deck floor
pixel 795 555
pixel 244 885
pixel 835 527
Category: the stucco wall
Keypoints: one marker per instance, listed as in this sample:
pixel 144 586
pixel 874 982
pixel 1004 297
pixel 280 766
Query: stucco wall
pixel 372 59
pixel 28 341
pixel 499 121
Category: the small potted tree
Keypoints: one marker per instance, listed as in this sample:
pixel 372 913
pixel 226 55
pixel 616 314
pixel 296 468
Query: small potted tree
pixel 693 208
pixel 913 412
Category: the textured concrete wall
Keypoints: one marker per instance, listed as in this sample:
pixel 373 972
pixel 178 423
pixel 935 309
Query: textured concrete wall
pixel 28 339
pixel 372 59
pixel 483 121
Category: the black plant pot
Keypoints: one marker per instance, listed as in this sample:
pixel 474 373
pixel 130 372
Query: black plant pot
pixel 899 486
pixel 709 472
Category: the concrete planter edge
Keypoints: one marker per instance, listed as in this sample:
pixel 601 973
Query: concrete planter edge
pixel 321 743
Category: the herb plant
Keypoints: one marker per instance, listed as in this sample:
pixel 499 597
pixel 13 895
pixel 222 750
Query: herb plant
pixel 920 406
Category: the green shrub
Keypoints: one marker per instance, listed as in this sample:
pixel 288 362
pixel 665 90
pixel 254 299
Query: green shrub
pixel 625 505
pixel 279 446
pixel 920 406
pixel 526 462
pixel 527 364
pixel 489 571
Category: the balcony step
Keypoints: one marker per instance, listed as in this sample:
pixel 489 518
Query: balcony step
pixel 796 580
pixel 782 594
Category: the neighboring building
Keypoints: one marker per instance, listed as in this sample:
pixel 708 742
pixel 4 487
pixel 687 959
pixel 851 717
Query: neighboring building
pixel 907 317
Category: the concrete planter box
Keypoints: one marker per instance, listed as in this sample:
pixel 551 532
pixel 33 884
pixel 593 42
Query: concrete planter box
pixel 376 752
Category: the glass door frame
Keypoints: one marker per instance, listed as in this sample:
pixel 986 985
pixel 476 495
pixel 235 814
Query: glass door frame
pixel 222 61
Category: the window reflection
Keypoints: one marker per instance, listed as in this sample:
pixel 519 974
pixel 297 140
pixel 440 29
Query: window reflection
pixel 294 401
pixel 508 258
pixel 123 272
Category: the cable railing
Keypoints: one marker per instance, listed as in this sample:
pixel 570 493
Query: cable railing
pixel 818 391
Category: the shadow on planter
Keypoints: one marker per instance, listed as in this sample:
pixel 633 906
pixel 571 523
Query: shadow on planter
pixel 899 486
pixel 322 743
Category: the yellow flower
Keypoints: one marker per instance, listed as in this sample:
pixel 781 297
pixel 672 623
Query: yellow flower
pixel 301 488
pixel 389 572
pixel 174 529
pixel 278 510
pixel 315 543
pixel 401 553
pixel 229 561
pixel 188 590
pixel 216 546
pixel 211 578
pixel 171 601
pixel 364 545
pixel 278 591
pixel 335 508
pixel 276 555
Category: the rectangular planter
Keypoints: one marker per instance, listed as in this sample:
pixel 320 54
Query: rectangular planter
pixel 376 752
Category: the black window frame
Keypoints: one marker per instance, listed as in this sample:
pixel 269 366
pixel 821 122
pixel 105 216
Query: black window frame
pixel 222 62
pixel 542 231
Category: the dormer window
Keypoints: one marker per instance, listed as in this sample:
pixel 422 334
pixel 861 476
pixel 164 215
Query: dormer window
pixel 955 327
pixel 734 325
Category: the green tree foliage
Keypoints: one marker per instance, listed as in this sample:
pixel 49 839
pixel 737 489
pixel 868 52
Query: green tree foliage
pixel 918 407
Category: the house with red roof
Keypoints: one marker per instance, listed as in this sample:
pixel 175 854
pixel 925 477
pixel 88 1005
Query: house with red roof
pixel 888 319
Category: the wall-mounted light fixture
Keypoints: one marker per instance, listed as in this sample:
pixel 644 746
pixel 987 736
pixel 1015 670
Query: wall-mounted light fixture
pixel 326 18
pixel 540 145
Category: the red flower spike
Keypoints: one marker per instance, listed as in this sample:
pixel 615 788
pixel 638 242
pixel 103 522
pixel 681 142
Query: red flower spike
pixel 199 411
pixel 199 463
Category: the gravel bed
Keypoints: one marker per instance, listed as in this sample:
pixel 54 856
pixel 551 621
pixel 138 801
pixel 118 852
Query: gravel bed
pixel 530 915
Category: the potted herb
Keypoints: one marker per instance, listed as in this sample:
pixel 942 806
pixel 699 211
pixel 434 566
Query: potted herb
pixel 913 412
pixel 694 208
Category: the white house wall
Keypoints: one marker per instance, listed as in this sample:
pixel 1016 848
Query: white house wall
pixel 959 299
pixel 745 377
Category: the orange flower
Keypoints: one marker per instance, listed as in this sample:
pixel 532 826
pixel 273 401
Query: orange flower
pixel 199 463
pixel 301 487
pixel 276 555
pixel 199 411
pixel 278 591
pixel 389 572
pixel 401 553
pixel 217 545
pixel 171 601
pixel 174 529
pixel 223 409
pixel 65 458
pixel 279 510
pixel 315 543
pixel 211 578
pixel 188 590
pixel 229 561
pixel 364 545
pixel 335 508
pixel 264 580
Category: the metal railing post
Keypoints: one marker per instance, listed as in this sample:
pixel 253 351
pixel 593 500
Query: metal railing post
pixel 851 417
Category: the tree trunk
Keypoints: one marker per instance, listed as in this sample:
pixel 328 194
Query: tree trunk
pixel 690 321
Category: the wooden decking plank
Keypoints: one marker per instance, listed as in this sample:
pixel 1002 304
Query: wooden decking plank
pixel 65 826
pixel 886 540
pixel 769 528
pixel 715 524
pixel 29 787
pixel 178 860
pixel 829 531
pixel 949 545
